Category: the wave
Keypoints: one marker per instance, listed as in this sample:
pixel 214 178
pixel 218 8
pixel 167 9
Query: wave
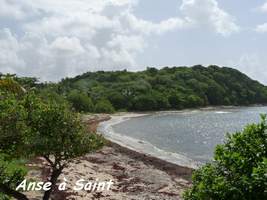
pixel 222 112
pixel 145 147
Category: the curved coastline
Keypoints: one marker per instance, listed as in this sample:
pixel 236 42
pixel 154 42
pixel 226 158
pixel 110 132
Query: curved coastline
pixel 143 147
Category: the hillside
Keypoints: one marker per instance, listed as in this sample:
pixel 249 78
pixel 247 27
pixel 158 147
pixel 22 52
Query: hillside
pixel 153 89
pixel 167 88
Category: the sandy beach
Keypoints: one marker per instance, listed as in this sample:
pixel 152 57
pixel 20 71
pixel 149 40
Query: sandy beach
pixel 136 176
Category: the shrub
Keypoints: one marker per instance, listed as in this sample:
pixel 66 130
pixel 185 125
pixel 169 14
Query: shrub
pixel 33 127
pixel 104 106
pixel 13 126
pixel 162 102
pixel 194 101
pixel 144 103
pixel 117 100
pixel 239 170
pixel 11 86
pixel 176 101
pixel 12 173
pixel 80 101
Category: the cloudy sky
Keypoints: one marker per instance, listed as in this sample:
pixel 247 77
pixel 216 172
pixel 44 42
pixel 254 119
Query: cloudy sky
pixel 52 39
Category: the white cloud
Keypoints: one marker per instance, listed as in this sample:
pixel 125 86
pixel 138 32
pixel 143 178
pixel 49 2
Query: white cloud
pixel 208 13
pixel 9 46
pixel 264 7
pixel 262 28
pixel 129 43
pixel 65 38
pixel 253 65
pixel 9 8
pixel 67 45
pixel 146 27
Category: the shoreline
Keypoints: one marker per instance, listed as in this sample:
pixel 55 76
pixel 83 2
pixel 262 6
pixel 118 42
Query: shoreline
pixel 135 175
pixel 140 146
pixel 169 167
pixel 146 148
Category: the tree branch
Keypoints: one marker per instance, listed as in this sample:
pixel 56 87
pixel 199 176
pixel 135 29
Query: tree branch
pixel 48 160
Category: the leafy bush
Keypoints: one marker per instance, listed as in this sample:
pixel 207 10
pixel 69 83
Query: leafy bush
pixel 48 94
pixel 104 106
pixel 117 100
pixel 239 170
pixel 30 127
pixel 144 103
pixel 80 101
pixel 12 173
pixel 57 135
pixel 194 101
pixel 177 101
pixel 13 127
pixel 13 134
pixel 11 86
pixel 162 102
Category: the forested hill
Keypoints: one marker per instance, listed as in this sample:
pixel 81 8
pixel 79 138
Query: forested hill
pixel 167 88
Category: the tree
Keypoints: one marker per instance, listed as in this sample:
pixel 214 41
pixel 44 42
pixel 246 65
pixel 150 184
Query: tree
pixel 198 85
pixel 144 103
pixel 27 82
pixel 239 170
pixel 11 86
pixel 57 135
pixel 176 100
pixel 13 132
pixel 209 86
pixel 104 106
pixel 162 101
pixel 118 100
pixel 215 94
pixel 33 127
pixel 194 101
pixel 151 70
pixel 80 101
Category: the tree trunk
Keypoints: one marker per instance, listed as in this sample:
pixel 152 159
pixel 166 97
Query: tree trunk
pixel 10 192
pixel 54 176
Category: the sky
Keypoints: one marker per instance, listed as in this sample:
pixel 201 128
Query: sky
pixel 53 39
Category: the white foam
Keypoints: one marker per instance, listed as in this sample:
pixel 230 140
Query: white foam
pixel 106 128
pixel 222 112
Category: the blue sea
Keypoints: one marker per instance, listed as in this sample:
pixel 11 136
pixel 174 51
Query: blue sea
pixel 182 137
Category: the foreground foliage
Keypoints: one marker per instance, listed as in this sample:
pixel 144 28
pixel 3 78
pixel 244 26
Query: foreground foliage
pixel 31 126
pixel 239 170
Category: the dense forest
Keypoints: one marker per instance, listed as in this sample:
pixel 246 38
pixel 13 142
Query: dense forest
pixel 153 89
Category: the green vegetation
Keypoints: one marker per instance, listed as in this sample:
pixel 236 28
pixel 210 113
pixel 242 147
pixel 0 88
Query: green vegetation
pixel 38 120
pixel 80 101
pixel 152 90
pixel 32 126
pixel 239 170
pixel 166 89
pixel 104 106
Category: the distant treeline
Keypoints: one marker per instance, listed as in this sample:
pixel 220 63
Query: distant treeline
pixel 153 89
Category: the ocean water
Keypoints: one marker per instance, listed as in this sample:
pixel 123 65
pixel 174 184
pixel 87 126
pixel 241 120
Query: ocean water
pixel 189 134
